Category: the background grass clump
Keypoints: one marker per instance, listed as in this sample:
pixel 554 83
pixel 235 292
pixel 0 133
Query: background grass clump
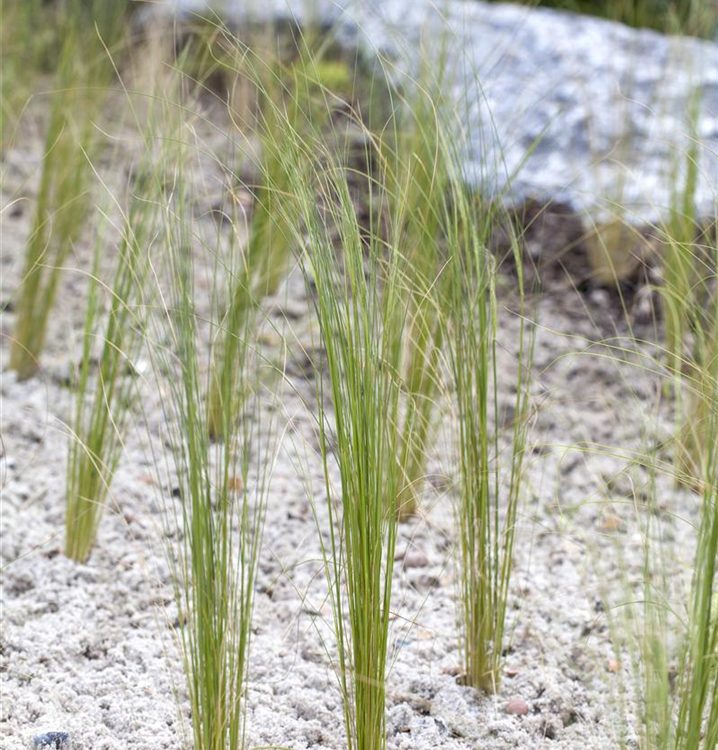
pixel 72 143
pixel 104 389
pixel 692 17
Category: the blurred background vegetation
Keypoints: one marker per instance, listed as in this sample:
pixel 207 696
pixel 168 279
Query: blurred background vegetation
pixel 692 17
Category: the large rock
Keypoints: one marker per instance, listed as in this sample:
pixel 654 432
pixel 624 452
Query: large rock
pixel 607 107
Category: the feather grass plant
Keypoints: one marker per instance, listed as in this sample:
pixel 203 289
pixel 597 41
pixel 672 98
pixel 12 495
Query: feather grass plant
pixel 689 295
pixel 670 635
pixel 694 371
pixel 265 262
pixel 668 626
pixel 417 181
pixel 71 146
pixel 681 268
pixel 360 308
pixel 287 96
pixel 103 398
pixel 490 473
pixel 219 513
pixel 25 45
pixel 697 722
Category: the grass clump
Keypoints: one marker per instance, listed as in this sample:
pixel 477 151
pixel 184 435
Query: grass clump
pixel 693 365
pixel 28 31
pixel 355 280
pixel 104 396
pixel 670 635
pixel 287 96
pixel 697 724
pixel 417 180
pixel 490 473
pixel 689 297
pixel 219 512
pixel 668 627
pixel 264 264
pixel 71 145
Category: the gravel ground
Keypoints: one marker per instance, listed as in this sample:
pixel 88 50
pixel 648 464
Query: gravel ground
pixel 90 649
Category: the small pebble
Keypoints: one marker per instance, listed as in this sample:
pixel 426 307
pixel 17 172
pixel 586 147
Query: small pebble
pixel 610 523
pixel 416 560
pixel 236 483
pixel 55 740
pixel 516 707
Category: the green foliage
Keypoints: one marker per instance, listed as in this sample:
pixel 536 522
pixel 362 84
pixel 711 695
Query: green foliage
pixel 361 313
pixel 221 506
pixel 690 306
pixel 669 630
pixel 63 200
pixel 393 289
pixel 697 724
pixel 286 98
pixel 681 264
pixel 670 635
pixel 490 473
pixel 692 17
pixel 416 178
pixel 104 397
pixel 30 35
